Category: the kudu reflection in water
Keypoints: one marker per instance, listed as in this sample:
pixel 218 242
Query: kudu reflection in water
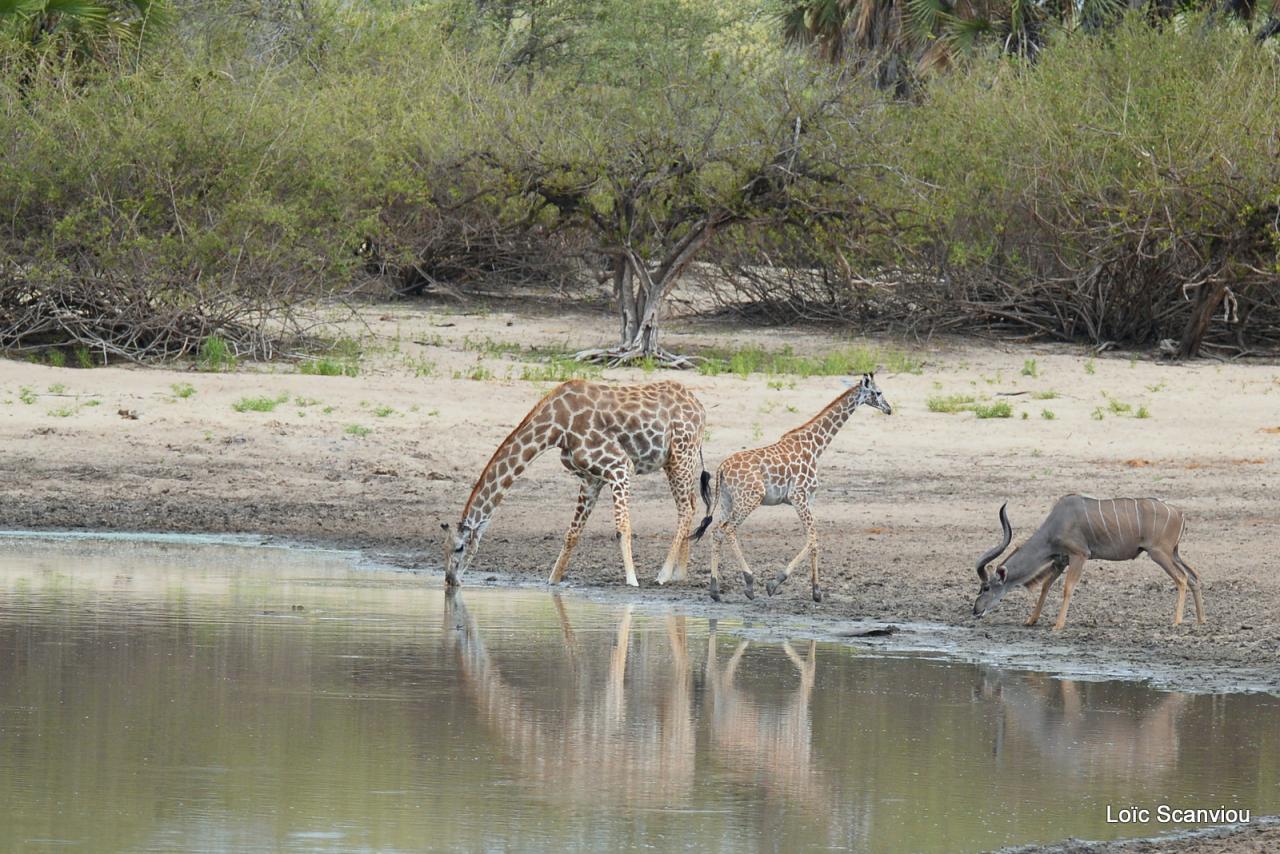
pixel 1050 717
pixel 636 753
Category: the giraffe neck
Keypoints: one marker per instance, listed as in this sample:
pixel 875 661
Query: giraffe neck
pixel 824 426
pixel 534 435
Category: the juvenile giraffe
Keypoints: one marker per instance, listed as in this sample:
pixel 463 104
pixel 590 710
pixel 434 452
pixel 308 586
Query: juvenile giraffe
pixel 606 434
pixel 785 472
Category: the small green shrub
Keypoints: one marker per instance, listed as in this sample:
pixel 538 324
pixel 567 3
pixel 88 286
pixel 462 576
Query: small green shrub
pixel 357 430
pixel 1089 367
pixel 1029 368
pixel 999 409
pixel 84 358
pixel 27 395
pixel 183 390
pixel 57 358
pixel 1047 414
pixel 259 404
pixel 383 411
pixel 216 355
pixel 328 367
pixel 559 370
pixel 1045 395
pixel 1118 407
pixel 950 403
pixel 1142 412
pixel 57 388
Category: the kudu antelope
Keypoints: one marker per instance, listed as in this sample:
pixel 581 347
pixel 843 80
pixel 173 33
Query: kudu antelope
pixel 1079 528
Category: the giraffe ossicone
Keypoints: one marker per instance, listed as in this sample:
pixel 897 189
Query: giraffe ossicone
pixel 606 435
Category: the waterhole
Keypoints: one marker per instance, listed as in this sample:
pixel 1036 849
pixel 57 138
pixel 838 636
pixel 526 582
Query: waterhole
pixel 188 696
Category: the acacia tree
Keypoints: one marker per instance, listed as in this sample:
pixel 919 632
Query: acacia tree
pixel 652 180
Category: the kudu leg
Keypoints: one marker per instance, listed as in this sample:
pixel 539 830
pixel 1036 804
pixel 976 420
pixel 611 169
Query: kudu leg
pixel 1044 592
pixel 1180 578
pixel 1074 569
pixel 1193 578
pixel 1048 581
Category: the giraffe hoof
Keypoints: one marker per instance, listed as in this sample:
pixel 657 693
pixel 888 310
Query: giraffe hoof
pixel 771 587
pixel 817 593
pixel 715 590
pixel 750 590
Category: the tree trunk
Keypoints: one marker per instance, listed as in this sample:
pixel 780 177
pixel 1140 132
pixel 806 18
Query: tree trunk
pixel 640 296
pixel 1208 299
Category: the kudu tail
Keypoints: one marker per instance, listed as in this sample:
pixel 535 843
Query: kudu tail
pixel 705 486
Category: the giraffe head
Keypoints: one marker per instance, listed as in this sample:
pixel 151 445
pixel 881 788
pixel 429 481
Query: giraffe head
pixel 869 394
pixel 459 549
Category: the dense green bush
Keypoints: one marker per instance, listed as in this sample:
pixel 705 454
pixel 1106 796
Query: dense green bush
pixel 1122 188
pixel 1119 190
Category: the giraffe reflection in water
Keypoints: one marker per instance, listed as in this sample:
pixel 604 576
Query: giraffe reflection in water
pixel 630 734
pixel 603 743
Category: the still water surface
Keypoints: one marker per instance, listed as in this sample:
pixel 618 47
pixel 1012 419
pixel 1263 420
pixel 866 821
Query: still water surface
pixel 182 697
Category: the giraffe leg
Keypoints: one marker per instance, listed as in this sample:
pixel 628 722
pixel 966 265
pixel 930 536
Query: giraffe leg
pixel 741 500
pixel 1179 577
pixel 681 474
pixel 748 577
pixel 1075 568
pixel 716 540
pixel 801 502
pixel 1044 592
pixel 620 484
pixel 587 496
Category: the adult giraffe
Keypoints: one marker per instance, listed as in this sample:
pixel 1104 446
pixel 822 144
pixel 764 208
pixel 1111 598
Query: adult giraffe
pixel 605 434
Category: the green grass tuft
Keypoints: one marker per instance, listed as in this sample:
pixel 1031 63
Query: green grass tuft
pixel 999 409
pixel 357 430
pixel 1030 369
pixel 216 355
pixel 259 404
pixel 845 362
pixel 951 403
pixel 183 390
pixel 560 369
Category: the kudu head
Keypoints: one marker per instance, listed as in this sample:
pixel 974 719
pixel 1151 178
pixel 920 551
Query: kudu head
pixel 993 587
pixel 868 393
pixel 459 549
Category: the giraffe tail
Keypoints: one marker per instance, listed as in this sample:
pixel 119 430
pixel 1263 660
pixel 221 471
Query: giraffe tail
pixel 706 499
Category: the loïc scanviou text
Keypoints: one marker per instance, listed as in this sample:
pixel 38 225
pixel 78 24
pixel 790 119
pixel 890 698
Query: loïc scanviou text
pixel 1166 814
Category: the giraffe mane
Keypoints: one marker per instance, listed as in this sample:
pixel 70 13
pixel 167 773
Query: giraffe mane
pixel 505 443
pixel 823 412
